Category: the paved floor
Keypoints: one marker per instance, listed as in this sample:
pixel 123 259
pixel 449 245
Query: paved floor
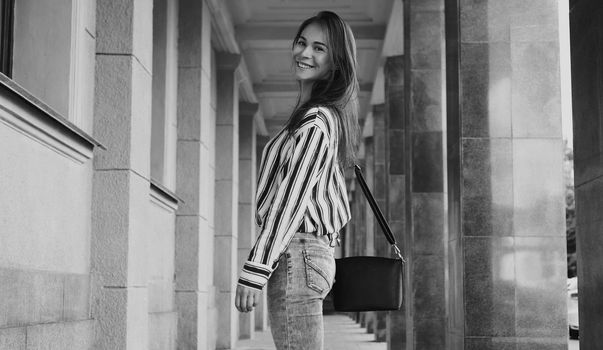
pixel 341 333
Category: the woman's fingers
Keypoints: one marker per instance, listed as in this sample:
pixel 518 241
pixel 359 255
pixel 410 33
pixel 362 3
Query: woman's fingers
pixel 246 298
pixel 240 297
pixel 250 301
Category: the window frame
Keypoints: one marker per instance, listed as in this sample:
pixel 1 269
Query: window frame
pixel 7 17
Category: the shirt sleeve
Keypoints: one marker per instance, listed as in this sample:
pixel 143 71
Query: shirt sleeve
pixel 310 150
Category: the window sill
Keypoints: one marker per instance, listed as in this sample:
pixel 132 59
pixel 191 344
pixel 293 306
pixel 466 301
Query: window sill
pixel 26 114
pixel 164 197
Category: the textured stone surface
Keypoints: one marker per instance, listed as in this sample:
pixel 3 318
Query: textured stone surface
pixel 30 297
pixel 428 219
pixel 225 250
pixel 162 330
pixel 76 297
pixel 194 34
pixel 188 177
pixel 489 303
pixel 45 207
pixel 192 327
pixel 227 326
pixel 122 318
pixel 487 177
pixel 112 106
pixel 125 27
pixel 538 187
pixel 541 287
pixel 120 202
pixel 77 335
pixel 427 160
pixel 161 258
pixel 187 253
pixel 13 338
pixel 536 90
pixel 485 89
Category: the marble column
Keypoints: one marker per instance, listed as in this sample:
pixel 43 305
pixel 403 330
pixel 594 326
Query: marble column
pixel 380 244
pixel 227 197
pixel 586 54
pixel 425 170
pixel 247 184
pixel 396 157
pixel 507 243
pixel 195 294
pixel 121 181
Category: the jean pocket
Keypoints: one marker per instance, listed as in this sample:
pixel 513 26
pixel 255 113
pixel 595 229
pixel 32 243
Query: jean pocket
pixel 320 269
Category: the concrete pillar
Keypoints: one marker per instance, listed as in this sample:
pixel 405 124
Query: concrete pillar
pixel 507 243
pixel 195 291
pixel 122 117
pixel 369 228
pixel 261 310
pixel 586 54
pixel 421 124
pixel 380 244
pixel 247 185
pixel 226 198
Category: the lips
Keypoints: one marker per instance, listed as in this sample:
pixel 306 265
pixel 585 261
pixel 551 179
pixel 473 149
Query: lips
pixel 304 65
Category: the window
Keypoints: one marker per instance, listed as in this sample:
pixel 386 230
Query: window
pixel 165 85
pixel 6 36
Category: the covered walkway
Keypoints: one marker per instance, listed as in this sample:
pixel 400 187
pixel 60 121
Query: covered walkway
pixel 341 332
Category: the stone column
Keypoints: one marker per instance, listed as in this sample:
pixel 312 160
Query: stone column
pixel 120 196
pixel 247 184
pixel 380 244
pixel 586 54
pixel 507 256
pixel 368 228
pixel 226 197
pixel 261 310
pixel 396 156
pixel 425 171
pixel 195 291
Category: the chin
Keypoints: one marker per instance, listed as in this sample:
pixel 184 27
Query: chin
pixel 304 77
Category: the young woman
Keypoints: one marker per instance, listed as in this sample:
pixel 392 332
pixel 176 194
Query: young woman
pixel 301 195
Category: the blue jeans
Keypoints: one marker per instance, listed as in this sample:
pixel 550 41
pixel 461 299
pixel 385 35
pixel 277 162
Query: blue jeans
pixel 296 290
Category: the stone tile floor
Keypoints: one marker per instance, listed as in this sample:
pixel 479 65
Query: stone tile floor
pixel 341 333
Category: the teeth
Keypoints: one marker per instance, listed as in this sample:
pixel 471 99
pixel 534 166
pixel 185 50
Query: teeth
pixel 303 65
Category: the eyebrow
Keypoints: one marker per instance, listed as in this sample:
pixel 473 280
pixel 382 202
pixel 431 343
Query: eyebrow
pixel 316 42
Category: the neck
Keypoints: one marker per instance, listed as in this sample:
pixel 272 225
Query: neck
pixel 305 90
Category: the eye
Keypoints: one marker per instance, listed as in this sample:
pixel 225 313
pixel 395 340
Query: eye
pixel 319 49
pixel 301 42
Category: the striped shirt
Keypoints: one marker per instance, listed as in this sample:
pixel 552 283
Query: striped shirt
pixel 301 188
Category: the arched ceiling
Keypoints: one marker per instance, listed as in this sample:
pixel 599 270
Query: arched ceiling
pixel 264 30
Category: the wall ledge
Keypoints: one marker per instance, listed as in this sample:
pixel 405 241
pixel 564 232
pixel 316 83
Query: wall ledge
pixel 31 117
pixel 164 197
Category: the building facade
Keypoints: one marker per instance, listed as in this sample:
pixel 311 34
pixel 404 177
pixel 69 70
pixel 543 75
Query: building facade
pixel 131 133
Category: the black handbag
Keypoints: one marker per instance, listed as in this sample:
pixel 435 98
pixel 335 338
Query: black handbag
pixel 369 283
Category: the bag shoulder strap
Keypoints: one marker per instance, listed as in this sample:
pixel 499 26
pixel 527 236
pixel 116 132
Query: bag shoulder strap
pixel 377 211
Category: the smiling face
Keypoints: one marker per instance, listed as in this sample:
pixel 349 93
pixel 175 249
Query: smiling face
pixel 310 54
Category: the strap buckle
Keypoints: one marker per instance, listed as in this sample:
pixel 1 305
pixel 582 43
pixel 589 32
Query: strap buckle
pixel 398 253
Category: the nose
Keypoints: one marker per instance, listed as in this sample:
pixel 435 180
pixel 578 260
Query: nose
pixel 307 51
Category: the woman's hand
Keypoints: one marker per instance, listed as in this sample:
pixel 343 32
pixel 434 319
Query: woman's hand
pixel 246 298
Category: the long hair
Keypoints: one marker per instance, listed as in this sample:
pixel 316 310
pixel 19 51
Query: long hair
pixel 338 91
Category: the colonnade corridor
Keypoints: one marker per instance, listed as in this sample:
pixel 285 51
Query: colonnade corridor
pixel 131 137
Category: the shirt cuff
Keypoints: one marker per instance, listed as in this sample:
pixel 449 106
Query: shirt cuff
pixel 254 275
